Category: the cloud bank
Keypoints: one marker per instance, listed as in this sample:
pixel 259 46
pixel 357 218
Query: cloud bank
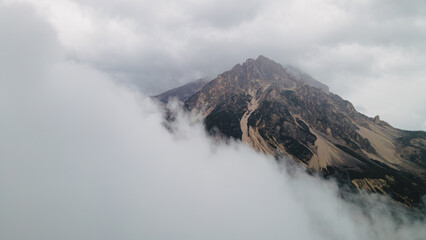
pixel 83 157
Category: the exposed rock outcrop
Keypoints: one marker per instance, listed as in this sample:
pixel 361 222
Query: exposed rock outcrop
pixel 377 119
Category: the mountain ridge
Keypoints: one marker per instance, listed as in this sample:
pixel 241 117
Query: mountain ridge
pixel 277 112
pixel 183 92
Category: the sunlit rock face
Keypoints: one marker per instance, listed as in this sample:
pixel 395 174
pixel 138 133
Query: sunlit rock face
pixel 282 111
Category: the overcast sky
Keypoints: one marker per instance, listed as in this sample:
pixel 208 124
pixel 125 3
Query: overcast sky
pixel 372 53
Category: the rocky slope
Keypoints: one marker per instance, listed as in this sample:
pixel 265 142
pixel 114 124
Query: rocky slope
pixel 284 112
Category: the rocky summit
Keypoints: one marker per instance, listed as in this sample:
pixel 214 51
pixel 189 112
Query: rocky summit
pixel 282 111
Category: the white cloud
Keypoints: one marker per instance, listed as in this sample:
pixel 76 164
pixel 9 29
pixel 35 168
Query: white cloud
pixel 81 157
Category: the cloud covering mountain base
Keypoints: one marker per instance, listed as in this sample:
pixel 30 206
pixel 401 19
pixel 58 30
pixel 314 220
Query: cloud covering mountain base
pixel 82 157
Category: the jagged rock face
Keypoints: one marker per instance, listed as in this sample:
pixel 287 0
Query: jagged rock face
pixel 280 111
pixel 236 82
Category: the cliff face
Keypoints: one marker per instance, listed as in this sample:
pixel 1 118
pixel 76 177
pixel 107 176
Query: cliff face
pixel 285 112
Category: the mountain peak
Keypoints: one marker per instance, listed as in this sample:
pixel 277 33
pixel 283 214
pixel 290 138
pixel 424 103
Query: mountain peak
pixel 263 59
pixel 283 111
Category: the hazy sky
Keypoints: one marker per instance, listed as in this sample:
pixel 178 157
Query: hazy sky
pixel 83 157
pixel 371 52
